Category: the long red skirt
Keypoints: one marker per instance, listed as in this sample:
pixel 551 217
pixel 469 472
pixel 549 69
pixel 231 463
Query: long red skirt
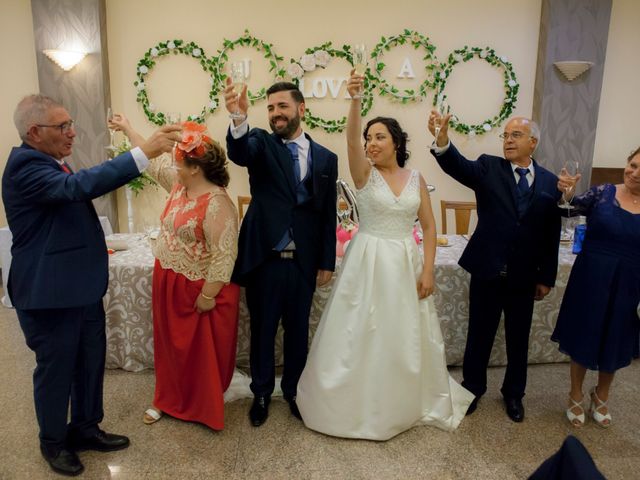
pixel 194 353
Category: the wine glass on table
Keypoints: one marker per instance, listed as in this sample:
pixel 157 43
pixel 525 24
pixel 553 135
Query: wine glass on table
pixel 173 118
pixel 359 62
pixel 570 169
pixel 238 80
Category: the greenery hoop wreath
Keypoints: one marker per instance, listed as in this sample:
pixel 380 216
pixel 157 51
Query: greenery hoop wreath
pixel 417 40
pixel 176 47
pixel 247 40
pixel 510 84
pixel 320 56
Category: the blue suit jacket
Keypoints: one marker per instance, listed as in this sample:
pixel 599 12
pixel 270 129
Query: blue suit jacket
pixel 274 207
pixel 527 245
pixel 59 253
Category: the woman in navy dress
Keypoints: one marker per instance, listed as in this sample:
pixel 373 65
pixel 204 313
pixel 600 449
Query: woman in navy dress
pixel 598 325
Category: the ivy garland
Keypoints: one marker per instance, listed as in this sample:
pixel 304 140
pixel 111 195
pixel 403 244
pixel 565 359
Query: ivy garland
pixel 319 57
pixel 510 84
pixel 417 40
pixel 437 75
pixel 247 40
pixel 148 62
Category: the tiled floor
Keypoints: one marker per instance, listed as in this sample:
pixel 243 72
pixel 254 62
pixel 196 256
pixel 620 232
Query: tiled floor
pixel 486 446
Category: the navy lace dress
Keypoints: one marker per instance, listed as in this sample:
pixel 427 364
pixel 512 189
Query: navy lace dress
pixel 598 325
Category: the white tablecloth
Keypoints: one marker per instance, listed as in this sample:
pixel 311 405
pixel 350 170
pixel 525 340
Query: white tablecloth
pixel 130 325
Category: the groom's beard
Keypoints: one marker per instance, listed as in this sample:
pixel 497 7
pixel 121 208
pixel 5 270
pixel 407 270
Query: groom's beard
pixel 287 130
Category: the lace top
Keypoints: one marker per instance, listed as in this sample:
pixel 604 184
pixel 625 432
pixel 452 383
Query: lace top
pixel 384 215
pixel 198 237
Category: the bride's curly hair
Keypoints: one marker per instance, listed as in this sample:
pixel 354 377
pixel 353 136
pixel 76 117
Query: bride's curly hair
pixel 213 163
pixel 399 137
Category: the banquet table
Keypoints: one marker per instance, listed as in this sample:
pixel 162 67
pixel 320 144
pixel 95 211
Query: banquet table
pixel 130 326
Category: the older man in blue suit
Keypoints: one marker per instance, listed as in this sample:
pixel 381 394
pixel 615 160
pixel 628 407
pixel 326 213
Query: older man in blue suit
pixel 59 273
pixel 287 240
pixel 513 254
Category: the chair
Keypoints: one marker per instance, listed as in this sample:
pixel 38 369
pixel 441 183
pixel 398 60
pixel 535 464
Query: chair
pixel 462 212
pixel 243 201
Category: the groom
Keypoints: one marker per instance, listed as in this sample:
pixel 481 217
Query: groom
pixel 287 241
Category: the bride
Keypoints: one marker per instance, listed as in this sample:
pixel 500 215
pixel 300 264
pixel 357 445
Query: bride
pixel 377 365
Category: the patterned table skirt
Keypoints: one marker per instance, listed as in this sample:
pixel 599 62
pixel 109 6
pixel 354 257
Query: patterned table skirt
pixel 130 326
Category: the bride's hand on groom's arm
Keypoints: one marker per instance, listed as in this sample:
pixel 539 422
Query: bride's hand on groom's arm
pixel 426 284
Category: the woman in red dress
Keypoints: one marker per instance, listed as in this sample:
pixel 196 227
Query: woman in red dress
pixel 195 308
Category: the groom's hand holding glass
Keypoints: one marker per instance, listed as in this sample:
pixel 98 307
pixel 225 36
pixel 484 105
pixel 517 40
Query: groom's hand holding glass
pixel 236 102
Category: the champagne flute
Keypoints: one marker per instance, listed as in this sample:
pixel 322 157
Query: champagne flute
pixel 238 79
pixel 359 62
pixel 111 148
pixel 173 118
pixel 442 109
pixel 571 169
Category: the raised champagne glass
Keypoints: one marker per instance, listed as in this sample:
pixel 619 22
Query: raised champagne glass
pixel 571 169
pixel 442 109
pixel 173 118
pixel 238 79
pixel 111 148
pixel 360 62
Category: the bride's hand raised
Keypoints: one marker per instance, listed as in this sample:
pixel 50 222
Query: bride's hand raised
pixel 425 285
pixel 355 84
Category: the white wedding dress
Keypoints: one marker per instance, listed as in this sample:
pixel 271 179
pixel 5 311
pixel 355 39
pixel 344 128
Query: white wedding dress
pixel 377 364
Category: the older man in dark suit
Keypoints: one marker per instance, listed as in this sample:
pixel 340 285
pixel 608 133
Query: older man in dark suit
pixel 288 236
pixel 59 273
pixel 513 254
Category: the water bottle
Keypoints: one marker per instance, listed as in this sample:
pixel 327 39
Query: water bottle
pixel 578 235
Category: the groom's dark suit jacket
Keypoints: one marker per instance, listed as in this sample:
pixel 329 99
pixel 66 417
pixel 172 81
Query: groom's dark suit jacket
pixel 274 205
pixel 527 244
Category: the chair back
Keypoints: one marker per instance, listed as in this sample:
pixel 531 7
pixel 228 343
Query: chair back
pixel 462 211
pixel 243 201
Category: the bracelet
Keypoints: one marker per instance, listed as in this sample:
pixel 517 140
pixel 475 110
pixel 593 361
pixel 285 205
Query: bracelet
pixel 206 297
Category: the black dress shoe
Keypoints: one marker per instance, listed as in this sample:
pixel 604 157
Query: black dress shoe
pixel 472 406
pixel 63 461
pixel 259 410
pixel 515 409
pixel 101 442
pixel 293 406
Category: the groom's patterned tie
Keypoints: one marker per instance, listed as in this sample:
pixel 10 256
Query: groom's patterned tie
pixel 293 150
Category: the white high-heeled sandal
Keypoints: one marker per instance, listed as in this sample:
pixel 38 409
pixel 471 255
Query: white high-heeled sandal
pixel 577 420
pixel 596 404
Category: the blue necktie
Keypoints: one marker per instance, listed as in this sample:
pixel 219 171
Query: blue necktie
pixel 293 150
pixel 523 184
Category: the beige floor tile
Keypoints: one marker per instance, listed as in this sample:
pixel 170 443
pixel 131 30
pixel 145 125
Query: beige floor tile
pixel 486 446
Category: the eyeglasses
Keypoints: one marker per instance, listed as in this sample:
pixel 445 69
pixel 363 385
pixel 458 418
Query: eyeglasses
pixel 64 127
pixel 514 135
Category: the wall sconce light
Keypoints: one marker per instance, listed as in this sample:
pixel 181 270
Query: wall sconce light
pixel 572 69
pixel 65 59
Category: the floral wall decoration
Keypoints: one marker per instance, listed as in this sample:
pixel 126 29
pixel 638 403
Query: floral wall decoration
pixel 437 74
pixel 151 56
pixel 319 57
pixel 511 87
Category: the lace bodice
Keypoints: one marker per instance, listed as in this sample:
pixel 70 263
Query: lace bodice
pixel 384 215
pixel 198 237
